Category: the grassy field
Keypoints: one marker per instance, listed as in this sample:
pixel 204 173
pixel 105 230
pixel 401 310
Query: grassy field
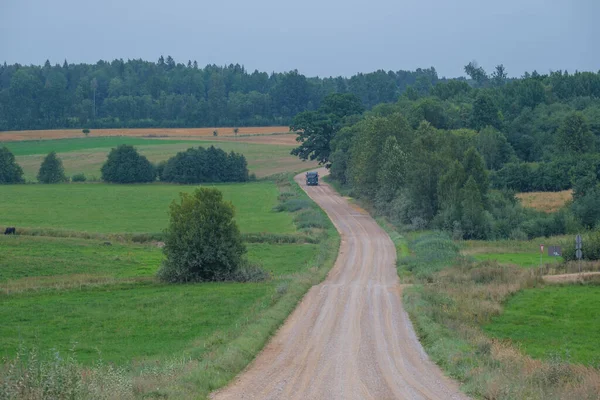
pixel 103 301
pixel 88 154
pixel 512 252
pixel 31 147
pixel 122 320
pixel 553 321
pixel 130 208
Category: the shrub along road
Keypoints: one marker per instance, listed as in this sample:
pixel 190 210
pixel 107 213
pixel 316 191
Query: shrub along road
pixel 350 337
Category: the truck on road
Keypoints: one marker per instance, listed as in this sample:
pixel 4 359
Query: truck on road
pixel 312 178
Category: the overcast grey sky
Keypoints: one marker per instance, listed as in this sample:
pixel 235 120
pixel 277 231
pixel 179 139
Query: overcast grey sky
pixel 317 37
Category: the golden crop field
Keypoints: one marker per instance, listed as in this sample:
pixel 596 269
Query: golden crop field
pixel 545 201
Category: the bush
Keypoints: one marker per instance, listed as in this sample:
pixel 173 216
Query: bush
pixel 310 218
pixel 78 178
pixel 202 242
pixel 199 165
pixel 590 247
pixel 126 165
pixel 292 205
pixel 587 208
pixel 51 170
pixel 10 171
pixel 86 131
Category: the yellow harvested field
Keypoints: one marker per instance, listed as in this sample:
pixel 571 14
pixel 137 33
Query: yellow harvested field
pixel 10 136
pixel 545 201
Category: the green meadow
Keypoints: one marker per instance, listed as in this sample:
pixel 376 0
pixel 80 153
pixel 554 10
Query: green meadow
pixel 100 302
pixel 108 208
pixel 31 147
pixel 553 322
pixel 512 252
pixel 125 320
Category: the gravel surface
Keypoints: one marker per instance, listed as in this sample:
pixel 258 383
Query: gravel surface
pixel 349 338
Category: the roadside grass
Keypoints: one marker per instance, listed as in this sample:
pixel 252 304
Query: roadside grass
pixel 548 202
pixel 456 298
pixel 107 208
pixel 78 156
pixel 136 338
pixel 553 321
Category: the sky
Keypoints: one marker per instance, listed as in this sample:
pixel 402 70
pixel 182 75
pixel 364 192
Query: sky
pixel 316 37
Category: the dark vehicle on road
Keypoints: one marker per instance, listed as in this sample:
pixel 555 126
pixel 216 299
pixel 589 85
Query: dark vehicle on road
pixel 312 178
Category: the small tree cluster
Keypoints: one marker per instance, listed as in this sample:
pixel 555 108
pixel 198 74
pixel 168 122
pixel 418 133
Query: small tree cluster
pixel 51 170
pixel 10 171
pixel 199 165
pixel 126 165
pixel 203 242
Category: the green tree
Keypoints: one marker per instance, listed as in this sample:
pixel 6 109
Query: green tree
pixel 499 76
pixel 316 129
pixel 10 171
pixel 475 168
pixel 574 135
pixel 473 220
pixel 494 147
pixel 51 170
pixel 125 165
pixel 476 73
pixel 203 242
pixel 390 176
pixel 485 112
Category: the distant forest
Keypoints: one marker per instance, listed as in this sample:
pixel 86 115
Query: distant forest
pixel 140 94
pixel 433 159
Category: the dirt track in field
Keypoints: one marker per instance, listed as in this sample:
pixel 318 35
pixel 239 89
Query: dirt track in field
pixel 198 133
pixel 567 278
pixel 350 337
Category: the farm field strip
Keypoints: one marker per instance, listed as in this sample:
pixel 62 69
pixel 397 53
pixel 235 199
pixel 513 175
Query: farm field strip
pixel 142 208
pixel 263 159
pixel 138 132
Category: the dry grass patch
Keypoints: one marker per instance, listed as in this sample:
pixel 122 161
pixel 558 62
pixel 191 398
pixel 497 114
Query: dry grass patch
pixel 545 201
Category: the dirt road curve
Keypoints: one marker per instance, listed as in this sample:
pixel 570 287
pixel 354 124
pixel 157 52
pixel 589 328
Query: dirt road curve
pixel 349 338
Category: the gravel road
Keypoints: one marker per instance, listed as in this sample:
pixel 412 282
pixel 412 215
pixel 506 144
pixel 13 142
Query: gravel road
pixel 350 337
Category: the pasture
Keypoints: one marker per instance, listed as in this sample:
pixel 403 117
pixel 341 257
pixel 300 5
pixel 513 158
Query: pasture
pixel 141 208
pixel 512 252
pixel 553 321
pixel 104 301
pixel 86 155
pixel 60 291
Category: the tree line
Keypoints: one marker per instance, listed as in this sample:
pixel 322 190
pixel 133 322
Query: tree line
pixel 125 165
pixel 451 158
pixel 166 93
